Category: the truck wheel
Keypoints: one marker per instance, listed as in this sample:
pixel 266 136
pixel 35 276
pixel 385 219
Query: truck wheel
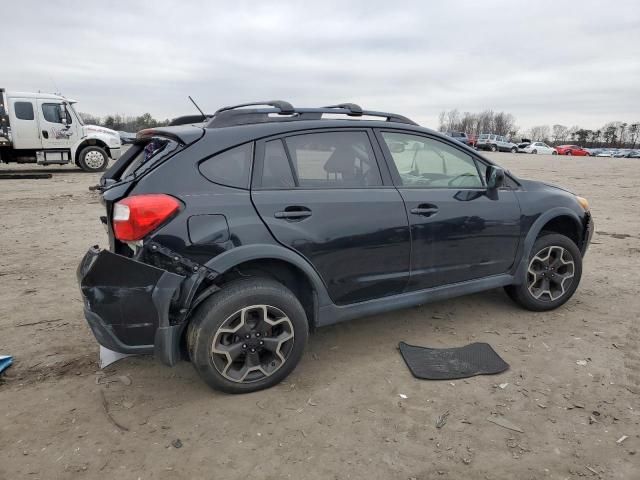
pixel 93 159
pixel 553 274
pixel 494 148
pixel 247 337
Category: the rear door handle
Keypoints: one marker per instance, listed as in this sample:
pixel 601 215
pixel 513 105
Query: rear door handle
pixel 293 213
pixel 425 209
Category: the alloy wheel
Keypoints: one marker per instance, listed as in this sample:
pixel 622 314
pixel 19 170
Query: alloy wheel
pixel 550 273
pixel 252 344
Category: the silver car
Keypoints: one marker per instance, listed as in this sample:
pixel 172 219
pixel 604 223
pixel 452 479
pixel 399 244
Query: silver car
pixel 495 143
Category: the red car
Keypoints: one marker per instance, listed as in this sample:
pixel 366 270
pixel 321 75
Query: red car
pixel 572 150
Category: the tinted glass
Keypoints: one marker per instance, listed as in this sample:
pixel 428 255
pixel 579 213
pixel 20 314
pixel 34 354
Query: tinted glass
pixel 276 172
pixel 51 112
pixel 425 162
pixel 334 160
pixel 24 110
pixel 230 168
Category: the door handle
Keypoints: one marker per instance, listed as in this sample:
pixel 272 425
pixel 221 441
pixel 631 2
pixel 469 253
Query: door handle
pixel 45 134
pixel 425 209
pixel 293 213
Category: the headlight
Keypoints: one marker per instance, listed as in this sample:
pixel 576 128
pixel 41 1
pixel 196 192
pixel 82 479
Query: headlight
pixel 584 203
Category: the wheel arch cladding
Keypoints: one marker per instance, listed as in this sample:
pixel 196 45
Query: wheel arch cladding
pixel 285 273
pixel 287 267
pixel 558 220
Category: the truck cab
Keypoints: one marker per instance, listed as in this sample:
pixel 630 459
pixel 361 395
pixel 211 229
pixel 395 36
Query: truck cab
pixel 46 129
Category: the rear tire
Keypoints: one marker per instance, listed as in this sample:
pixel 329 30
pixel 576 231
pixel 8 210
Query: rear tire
pixel 554 153
pixel 569 153
pixel 535 152
pixel 247 337
pixel 514 150
pixel 93 159
pixel 493 148
pixel 553 274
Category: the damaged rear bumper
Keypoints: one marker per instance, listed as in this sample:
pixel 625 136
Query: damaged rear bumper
pixel 129 304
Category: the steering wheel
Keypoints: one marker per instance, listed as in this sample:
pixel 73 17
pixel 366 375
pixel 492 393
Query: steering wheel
pixel 462 175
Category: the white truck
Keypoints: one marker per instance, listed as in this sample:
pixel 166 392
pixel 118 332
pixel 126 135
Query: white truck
pixel 45 129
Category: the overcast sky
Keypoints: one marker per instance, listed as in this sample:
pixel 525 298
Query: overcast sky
pixel 569 62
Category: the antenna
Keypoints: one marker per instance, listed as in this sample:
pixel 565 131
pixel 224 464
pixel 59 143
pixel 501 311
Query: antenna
pixel 204 117
pixel 57 90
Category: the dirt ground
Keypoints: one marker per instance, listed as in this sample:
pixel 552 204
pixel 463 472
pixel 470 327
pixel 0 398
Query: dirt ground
pixel 573 387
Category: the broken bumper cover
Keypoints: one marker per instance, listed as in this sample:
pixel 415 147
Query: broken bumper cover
pixel 127 304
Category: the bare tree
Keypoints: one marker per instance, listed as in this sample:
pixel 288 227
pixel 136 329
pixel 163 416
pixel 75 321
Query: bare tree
pixel 539 133
pixel 560 133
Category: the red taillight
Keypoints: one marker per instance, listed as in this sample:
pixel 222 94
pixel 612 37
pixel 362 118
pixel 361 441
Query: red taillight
pixel 135 217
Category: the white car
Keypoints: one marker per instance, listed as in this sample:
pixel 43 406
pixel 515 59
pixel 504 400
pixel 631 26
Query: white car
pixel 539 147
pixel 607 153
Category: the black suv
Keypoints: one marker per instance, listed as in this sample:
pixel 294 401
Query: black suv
pixel 231 239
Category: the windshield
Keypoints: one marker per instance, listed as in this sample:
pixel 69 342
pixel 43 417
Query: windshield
pixel 484 136
pixel 78 117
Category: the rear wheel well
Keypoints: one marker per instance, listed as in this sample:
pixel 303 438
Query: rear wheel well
pixel 287 274
pixel 92 142
pixel 563 225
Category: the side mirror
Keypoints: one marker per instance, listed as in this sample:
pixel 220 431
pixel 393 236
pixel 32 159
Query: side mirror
pixel 64 114
pixel 495 177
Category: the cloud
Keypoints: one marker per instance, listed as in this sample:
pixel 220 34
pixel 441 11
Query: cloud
pixel 546 62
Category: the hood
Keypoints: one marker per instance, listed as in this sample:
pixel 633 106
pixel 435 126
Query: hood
pixel 103 130
pixel 535 185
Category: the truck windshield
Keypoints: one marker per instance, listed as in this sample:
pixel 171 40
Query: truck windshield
pixel 75 114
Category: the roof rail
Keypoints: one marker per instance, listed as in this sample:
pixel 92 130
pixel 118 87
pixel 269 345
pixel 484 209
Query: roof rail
pixel 285 107
pixel 281 111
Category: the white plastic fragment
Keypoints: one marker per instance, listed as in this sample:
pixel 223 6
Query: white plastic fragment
pixel 403 396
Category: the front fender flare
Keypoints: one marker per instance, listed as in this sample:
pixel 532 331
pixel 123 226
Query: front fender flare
pixel 535 230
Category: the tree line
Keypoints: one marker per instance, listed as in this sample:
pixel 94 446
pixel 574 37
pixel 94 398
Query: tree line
pixel 124 123
pixel 612 134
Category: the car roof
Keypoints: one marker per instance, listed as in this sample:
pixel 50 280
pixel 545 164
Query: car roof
pixel 44 96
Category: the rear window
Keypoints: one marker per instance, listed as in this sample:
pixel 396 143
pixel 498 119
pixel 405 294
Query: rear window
pixel 24 110
pixel 484 136
pixel 230 168
pixel 154 151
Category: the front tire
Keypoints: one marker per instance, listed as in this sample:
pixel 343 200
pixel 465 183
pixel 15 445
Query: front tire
pixel 247 337
pixel 535 152
pixel 494 148
pixel 514 150
pixel 553 273
pixel 569 153
pixel 93 159
pixel 554 153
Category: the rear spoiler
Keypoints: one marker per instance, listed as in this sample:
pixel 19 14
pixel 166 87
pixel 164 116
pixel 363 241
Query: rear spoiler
pixel 185 134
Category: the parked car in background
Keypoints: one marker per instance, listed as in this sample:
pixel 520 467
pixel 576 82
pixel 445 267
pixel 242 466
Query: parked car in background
pixel 572 150
pixel 606 153
pixel 126 138
pixel 621 153
pixel 539 147
pixel 495 143
pixel 594 151
pixel 234 238
pixel 634 154
pixel 461 137
pixel 522 145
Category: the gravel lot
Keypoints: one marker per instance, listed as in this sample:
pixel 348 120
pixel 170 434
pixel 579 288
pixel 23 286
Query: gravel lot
pixel 573 386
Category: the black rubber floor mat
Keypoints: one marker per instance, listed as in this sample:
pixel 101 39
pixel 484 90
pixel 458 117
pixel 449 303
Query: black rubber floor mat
pixel 452 363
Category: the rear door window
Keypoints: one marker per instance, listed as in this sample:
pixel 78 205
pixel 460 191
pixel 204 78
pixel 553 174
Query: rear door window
pixel 321 160
pixel 333 160
pixel 231 168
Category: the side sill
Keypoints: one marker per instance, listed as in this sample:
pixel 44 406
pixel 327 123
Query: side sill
pixel 330 314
